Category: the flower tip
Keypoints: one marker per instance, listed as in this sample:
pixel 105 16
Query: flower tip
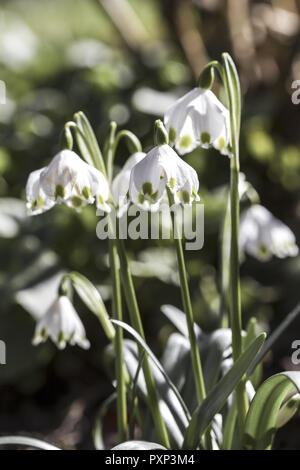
pixel 207 77
pixel 161 136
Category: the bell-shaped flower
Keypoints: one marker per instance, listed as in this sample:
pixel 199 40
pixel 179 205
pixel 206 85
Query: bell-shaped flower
pixel 162 168
pixel 120 184
pixel 37 201
pixel 246 190
pixel 68 179
pixel 262 235
pixel 198 119
pixel 62 324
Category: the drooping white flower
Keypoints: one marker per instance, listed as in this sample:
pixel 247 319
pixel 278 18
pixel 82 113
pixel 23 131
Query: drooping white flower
pixel 162 168
pixel 198 119
pixel 37 201
pixel 246 190
pixel 120 184
pixel 62 324
pixel 262 235
pixel 67 179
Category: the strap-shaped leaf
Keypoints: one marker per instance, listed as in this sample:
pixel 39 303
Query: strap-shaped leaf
pixel 216 399
pixel 265 408
pixel 156 362
pixel 92 299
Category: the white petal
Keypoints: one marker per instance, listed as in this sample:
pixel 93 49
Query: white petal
pixel 120 184
pixel 37 201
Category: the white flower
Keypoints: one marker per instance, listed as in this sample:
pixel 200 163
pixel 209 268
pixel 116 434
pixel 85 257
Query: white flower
pixel 198 119
pixel 162 168
pixel 262 235
pixel 67 179
pixel 37 201
pixel 62 324
pixel 246 190
pixel 120 184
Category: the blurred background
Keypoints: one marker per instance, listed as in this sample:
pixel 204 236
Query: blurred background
pixel 127 60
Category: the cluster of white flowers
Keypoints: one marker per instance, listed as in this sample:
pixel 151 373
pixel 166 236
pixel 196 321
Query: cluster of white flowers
pixel 66 179
pixel 196 119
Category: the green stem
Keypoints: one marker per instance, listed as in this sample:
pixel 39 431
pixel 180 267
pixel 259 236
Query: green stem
pixel 111 150
pixel 117 314
pixel 187 306
pixel 232 87
pixel 135 319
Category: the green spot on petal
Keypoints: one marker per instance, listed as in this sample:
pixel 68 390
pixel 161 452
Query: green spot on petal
pixel 141 198
pixel 185 197
pixel 205 138
pixel 172 135
pixel 86 192
pixel 100 200
pixel 221 143
pixel 76 201
pixel 154 196
pixel 172 183
pixel 43 334
pixel 59 191
pixel 60 337
pixel 194 192
pixel 147 188
pixel 185 141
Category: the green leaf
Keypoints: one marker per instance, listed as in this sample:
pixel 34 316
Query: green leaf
pixel 26 441
pixel 216 399
pixel 86 128
pixel 171 411
pixel 138 445
pixel 264 413
pixel 92 299
pixel 156 362
pixel 178 318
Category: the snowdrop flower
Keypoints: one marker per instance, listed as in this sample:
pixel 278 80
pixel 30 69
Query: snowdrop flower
pixel 162 168
pixel 246 190
pixel 198 119
pixel 67 179
pixel 62 324
pixel 120 184
pixel 262 235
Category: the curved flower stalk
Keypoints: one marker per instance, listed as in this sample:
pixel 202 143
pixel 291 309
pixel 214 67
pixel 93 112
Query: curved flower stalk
pixel 120 184
pixel 160 169
pixel 62 324
pixel 262 235
pixel 66 179
pixel 198 119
